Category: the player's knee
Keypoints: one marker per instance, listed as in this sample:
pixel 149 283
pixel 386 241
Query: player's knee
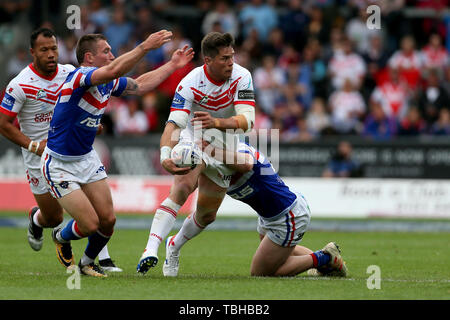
pixel 108 222
pixel 89 227
pixel 182 191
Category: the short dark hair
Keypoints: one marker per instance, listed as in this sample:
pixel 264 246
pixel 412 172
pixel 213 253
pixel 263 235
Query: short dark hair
pixel 214 41
pixel 44 31
pixel 88 43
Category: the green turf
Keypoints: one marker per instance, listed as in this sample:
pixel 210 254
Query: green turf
pixel 216 264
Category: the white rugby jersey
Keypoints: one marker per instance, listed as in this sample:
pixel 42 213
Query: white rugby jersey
pixel 199 92
pixel 31 97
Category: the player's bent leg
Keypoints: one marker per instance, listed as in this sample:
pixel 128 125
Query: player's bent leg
pixel 165 217
pixel 47 214
pixel 268 258
pixel 99 195
pixel 84 223
pixel 51 212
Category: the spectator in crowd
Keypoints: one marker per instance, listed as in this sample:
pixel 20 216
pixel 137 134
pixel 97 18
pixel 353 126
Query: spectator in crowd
pixel 412 124
pixel 66 49
pixel 432 99
pixel 408 61
pixel 98 15
pixel 268 80
pixel 318 119
pixel 297 133
pixel 20 60
pixel 130 119
pixel 377 125
pixel 358 32
pixel 86 25
pixel 442 126
pixel 346 64
pixel 119 30
pixel 293 23
pixel 225 18
pixel 347 106
pixel 342 164
pixel 260 16
pixel 392 95
pixel 434 54
pixel 317 27
pixel 275 43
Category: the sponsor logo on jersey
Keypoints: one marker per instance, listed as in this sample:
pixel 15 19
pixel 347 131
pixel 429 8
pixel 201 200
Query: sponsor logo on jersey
pixel 64 184
pixel 204 100
pixel 43 117
pixel 90 122
pixel 34 181
pixel 8 102
pixel 41 94
pixel 178 101
pixel 246 94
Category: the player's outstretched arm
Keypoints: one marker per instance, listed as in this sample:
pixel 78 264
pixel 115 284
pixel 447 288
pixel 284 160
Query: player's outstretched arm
pixel 150 80
pixel 127 61
pixel 12 133
pixel 238 161
pixel 239 121
pixel 168 140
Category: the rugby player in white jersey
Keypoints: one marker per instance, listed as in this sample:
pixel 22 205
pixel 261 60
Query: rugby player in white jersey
pixel 31 97
pixel 217 96
pixel 70 166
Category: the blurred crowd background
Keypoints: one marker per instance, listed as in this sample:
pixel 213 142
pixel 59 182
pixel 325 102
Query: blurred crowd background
pixel 318 70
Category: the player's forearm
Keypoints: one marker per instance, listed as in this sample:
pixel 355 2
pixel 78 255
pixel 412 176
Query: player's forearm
pixel 150 80
pixel 120 66
pixel 170 135
pixel 9 131
pixel 237 161
pixel 234 122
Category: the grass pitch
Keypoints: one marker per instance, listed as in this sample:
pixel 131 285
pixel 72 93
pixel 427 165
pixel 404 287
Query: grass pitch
pixel 215 266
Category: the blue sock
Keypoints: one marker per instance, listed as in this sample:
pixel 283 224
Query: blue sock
pixel 96 243
pixel 320 258
pixel 70 232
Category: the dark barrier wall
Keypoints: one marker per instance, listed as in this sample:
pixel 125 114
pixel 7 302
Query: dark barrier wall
pixel 424 158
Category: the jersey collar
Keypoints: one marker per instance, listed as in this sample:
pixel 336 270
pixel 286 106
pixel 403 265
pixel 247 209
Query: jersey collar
pixel 217 83
pixel 49 78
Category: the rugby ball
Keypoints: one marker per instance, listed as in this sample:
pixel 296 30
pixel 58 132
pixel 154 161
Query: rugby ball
pixel 186 154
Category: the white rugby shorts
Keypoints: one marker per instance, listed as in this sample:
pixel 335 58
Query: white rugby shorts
pixel 288 229
pixel 63 177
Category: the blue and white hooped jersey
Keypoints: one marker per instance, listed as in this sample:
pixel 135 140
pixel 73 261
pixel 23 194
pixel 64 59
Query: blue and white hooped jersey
pixel 261 188
pixel 78 112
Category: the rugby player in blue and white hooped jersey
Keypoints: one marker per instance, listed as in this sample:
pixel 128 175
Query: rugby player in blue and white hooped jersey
pixel 283 219
pixel 72 169
pixel 30 98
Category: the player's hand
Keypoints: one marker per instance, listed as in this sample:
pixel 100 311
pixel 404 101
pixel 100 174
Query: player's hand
pixel 99 129
pixel 204 118
pixel 157 39
pixel 170 166
pixel 41 147
pixel 182 56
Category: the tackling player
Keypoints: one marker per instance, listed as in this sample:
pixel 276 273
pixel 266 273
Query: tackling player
pixel 31 97
pixel 71 167
pixel 284 217
pixel 217 96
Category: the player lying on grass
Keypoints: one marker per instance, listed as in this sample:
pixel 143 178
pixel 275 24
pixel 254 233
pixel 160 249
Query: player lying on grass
pixel 283 218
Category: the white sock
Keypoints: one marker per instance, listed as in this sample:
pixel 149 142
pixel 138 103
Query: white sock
pixel 104 254
pixel 85 260
pixel 35 218
pixel 162 224
pixel 189 230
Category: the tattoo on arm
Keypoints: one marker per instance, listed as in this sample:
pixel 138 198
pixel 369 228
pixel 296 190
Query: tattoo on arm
pixel 132 87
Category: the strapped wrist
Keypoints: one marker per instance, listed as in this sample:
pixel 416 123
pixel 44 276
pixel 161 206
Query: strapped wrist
pixel 164 153
pixel 33 146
